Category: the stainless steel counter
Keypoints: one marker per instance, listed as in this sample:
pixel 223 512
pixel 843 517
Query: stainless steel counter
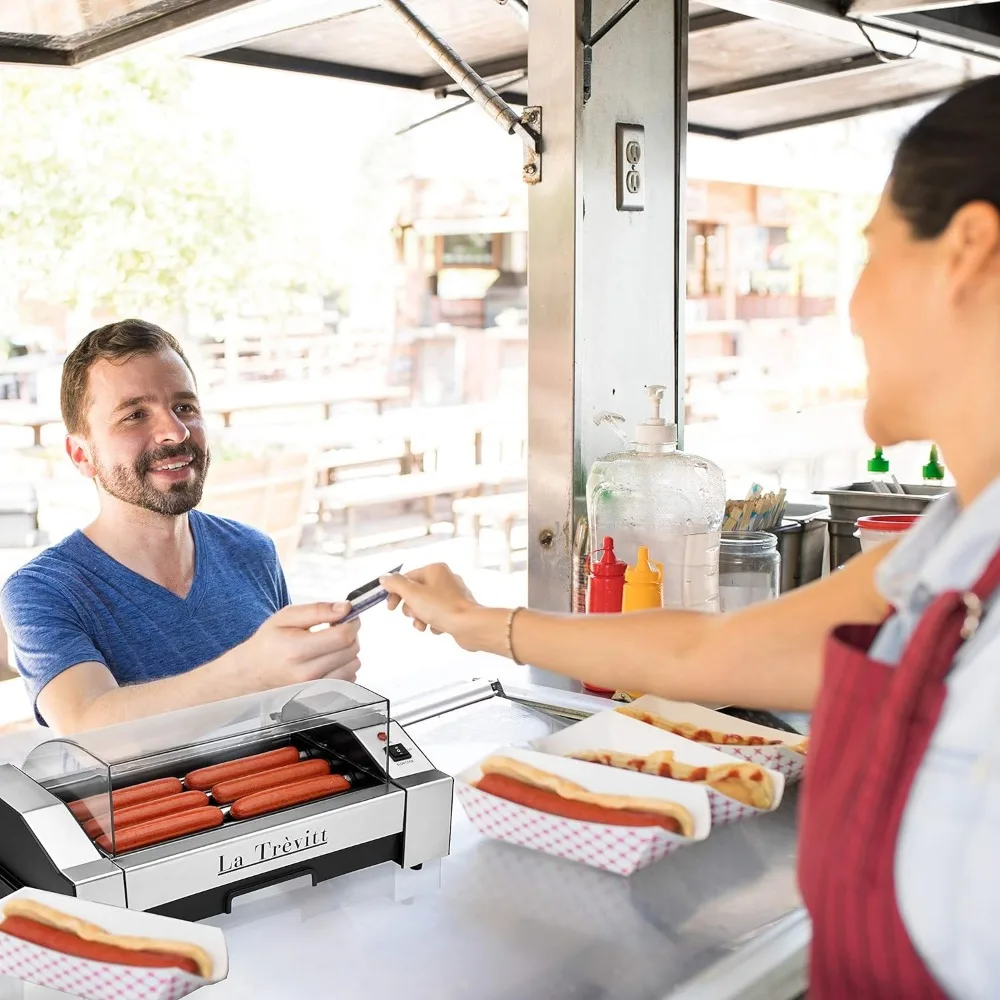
pixel 496 922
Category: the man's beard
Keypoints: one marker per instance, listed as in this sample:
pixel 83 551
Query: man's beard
pixel 131 485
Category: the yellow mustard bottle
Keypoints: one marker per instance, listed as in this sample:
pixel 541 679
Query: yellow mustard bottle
pixel 643 589
pixel 643 584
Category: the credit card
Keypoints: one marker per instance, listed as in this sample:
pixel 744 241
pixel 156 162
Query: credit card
pixel 368 596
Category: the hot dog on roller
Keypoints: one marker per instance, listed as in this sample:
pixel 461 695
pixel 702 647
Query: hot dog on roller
pixel 145 811
pixel 43 925
pixel 155 831
pixel 204 778
pixel 271 799
pixel 235 788
pixel 529 786
pixel 96 806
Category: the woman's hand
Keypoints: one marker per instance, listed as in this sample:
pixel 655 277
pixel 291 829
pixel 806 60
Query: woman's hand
pixel 435 598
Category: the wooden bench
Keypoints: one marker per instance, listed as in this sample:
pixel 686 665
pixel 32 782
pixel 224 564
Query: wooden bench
pixel 269 493
pixel 337 460
pixel 501 510
pixel 352 495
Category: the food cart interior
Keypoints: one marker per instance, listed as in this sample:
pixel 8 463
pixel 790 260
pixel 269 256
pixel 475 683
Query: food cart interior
pixel 474 916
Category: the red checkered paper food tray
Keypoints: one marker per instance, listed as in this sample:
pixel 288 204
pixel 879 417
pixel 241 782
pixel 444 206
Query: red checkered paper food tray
pixel 619 849
pixel 97 980
pixel 782 757
pixel 613 731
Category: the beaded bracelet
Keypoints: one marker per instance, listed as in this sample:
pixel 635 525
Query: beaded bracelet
pixel 510 636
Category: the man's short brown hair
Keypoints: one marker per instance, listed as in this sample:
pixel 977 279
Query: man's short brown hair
pixel 116 342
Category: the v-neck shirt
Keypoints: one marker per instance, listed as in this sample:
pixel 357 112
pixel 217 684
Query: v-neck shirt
pixel 73 603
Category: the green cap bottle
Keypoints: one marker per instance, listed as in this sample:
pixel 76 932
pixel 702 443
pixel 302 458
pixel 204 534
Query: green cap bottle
pixel 933 470
pixel 878 463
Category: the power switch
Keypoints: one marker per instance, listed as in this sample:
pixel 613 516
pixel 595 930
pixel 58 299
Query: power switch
pixel 398 752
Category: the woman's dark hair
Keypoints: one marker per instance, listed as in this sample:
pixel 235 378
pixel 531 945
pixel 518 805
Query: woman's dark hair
pixel 949 158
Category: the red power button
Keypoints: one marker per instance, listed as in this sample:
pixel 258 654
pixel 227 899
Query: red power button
pixel 383 736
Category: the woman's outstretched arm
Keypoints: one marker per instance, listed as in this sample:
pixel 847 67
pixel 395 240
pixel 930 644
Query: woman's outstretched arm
pixel 766 656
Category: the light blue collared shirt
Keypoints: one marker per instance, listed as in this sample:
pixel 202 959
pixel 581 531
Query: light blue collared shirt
pixel 948 855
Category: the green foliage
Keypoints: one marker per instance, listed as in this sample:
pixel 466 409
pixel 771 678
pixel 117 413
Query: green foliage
pixel 822 221
pixel 114 194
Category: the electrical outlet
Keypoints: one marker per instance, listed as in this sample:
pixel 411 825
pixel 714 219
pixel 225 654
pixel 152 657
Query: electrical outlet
pixel 630 157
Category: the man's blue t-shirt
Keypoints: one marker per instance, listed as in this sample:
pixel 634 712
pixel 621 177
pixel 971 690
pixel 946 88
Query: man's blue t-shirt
pixel 74 604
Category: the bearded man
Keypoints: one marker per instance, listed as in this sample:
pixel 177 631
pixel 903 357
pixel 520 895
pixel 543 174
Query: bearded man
pixel 155 606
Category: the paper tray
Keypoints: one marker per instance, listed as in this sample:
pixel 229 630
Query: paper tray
pixel 780 758
pixel 91 980
pixel 619 849
pixel 615 731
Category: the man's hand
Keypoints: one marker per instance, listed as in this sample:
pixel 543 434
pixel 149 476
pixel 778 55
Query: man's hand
pixel 434 597
pixel 286 650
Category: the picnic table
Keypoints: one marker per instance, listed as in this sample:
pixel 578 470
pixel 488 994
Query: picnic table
pixel 286 395
pixel 413 439
pixel 14 413
pixel 353 495
pixel 501 510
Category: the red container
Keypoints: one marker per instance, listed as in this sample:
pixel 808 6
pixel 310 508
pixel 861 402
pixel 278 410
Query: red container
pixel 607 586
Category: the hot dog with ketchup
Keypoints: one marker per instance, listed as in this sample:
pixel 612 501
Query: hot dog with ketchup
pixel 529 786
pixel 42 925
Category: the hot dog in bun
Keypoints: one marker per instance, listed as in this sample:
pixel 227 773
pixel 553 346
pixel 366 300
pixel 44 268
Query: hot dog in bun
pixel 45 926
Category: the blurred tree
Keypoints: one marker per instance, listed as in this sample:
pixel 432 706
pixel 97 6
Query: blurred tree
pixel 114 197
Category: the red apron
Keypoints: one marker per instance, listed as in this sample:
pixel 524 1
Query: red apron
pixel 871 728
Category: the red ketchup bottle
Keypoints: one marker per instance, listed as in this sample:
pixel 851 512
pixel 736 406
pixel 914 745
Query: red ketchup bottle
pixel 607 586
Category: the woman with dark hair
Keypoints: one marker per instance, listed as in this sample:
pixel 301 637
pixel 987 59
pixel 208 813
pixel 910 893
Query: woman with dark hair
pixel 900 817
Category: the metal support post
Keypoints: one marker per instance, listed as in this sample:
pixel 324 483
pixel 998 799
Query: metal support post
pixel 602 283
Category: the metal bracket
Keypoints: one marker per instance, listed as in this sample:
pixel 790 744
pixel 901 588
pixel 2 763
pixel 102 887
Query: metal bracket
pixel 519 8
pixel 478 89
pixel 531 118
pixel 591 38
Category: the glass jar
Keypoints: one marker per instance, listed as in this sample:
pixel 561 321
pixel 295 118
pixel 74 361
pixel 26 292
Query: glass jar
pixel 749 569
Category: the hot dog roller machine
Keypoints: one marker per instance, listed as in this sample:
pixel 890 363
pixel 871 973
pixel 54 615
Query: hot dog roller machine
pixel 396 806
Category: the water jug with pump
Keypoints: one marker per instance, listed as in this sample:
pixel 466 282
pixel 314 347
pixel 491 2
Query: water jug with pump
pixel 673 503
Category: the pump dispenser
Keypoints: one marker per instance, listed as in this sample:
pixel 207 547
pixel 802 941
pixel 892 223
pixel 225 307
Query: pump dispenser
pixel 650 494
pixel 655 431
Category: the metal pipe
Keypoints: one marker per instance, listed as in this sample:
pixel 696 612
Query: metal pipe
pixel 430 704
pixel 463 74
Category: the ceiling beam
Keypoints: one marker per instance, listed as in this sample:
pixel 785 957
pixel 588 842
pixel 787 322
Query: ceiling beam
pixel 977 25
pixel 821 119
pixel 789 77
pixel 882 8
pixel 716 133
pixel 34 55
pixel 892 35
pixel 716 19
pixel 151 25
pixel 317 67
